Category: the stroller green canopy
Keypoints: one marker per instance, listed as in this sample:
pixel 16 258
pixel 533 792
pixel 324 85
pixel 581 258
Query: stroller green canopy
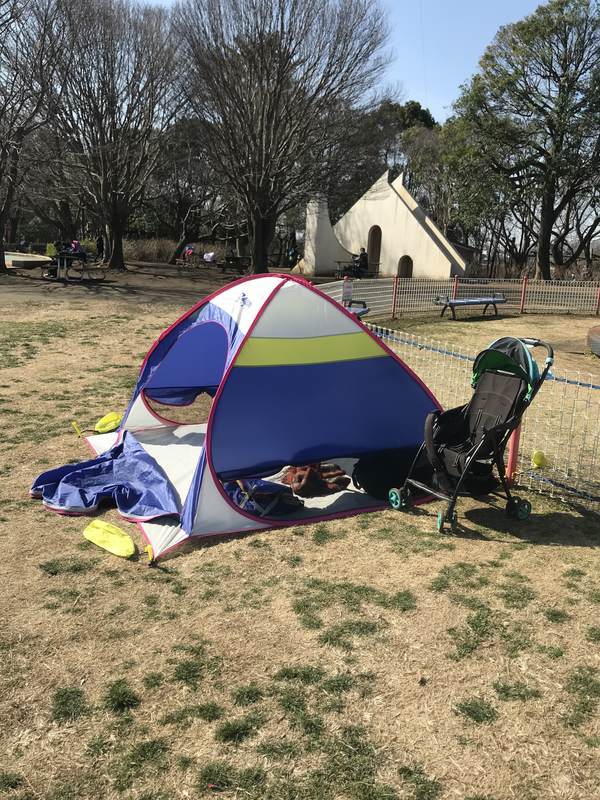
pixel 510 356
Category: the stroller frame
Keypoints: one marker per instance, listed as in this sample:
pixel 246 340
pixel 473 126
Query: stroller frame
pixel 492 442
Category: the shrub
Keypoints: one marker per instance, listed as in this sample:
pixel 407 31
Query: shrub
pixel 152 250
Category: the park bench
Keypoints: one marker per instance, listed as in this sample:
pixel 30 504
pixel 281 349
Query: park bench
pixel 237 264
pixel 70 267
pixel 361 310
pixel 486 302
pixel 79 270
pixel 349 268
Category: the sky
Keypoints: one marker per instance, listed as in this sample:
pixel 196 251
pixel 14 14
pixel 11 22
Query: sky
pixel 436 44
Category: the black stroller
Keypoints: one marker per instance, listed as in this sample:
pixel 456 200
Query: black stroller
pixel 463 445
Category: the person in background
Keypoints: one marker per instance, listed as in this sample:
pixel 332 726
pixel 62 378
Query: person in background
pixel 77 249
pixel 100 247
pixel 361 263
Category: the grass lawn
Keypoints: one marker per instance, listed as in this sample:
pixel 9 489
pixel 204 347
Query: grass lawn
pixel 367 659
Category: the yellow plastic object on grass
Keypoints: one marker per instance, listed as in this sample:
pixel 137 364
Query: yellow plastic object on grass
pixel 539 460
pixel 109 537
pixel 109 422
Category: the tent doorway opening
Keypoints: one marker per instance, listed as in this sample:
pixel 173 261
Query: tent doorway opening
pixel 374 247
pixel 181 388
pixel 405 267
pixel 197 411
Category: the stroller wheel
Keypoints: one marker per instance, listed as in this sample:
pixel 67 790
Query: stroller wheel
pixel 395 499
pixel 400 499
pixel 511 506
pixel 523 510
pixel 454 522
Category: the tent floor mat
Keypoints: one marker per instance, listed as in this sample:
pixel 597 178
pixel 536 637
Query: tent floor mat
pixel 175 449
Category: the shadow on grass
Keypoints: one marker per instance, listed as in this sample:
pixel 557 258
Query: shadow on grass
pixel 555 528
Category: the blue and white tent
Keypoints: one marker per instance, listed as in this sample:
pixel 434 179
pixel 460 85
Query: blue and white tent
pixel 295 379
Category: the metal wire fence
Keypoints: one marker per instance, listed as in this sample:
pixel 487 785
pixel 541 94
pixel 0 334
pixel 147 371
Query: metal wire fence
pixel 391 297
pixel 378 293
pixel 563 421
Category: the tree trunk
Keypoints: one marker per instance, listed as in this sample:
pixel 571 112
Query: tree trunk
pixel 178 250
pixel 117 260
pixel 3 270
pixel 12 226
pixel 108 243
pixel 68 228
pixel 261 232
pixel 542 266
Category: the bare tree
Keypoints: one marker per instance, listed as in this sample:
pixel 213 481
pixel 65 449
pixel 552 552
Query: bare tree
pixel 184 195
pixel 31 37
pixel 274 82
pixel 118 100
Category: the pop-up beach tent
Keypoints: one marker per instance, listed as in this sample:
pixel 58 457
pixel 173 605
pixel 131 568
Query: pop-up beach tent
pixel 295 379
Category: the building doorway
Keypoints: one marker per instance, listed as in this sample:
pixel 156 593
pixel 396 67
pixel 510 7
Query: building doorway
pixel 405 267
pixel 374 248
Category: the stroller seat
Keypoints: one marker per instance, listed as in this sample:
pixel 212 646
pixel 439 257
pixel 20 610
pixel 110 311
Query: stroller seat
pixel 462 445
pixel 451 436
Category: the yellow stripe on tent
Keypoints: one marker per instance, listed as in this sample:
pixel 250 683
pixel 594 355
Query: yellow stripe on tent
pixel 259 352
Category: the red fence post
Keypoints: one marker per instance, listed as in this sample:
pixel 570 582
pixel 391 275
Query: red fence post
pixel 455 287
pixel 524 294
pixel 394 297
pixel 598 303
pixel 513 454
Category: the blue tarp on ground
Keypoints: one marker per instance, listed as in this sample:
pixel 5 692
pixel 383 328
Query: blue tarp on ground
pixel 125 476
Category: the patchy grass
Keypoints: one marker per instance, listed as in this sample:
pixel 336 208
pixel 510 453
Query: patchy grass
pixel 152 680
pixel 146 756
pixel 305 674
pixel 223 776
pixel 234 731
pixel 120 697
pixel 516 591
pixel 459 576
pixel 319 595
pixel 584 685
pixel 343 633
pixel 516 691
pixel 557 615
pixel 593 633
pixel 10 780
pixel 420 785
pixel 479 627
pixel 323 534
pixel 68 704
pixel 276 749
pixel 360 633
pixel 70 565
pixel 247 695
pixel 477 710
pixel 20 342
pixel 184 716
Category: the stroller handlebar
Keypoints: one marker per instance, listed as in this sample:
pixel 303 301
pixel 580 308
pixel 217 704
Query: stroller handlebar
pixel 540 343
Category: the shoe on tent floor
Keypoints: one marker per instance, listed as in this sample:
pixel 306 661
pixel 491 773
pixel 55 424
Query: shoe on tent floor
pixel 294 379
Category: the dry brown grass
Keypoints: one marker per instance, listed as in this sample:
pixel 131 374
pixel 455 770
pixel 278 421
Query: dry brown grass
pixel 237 612
pixel 471 332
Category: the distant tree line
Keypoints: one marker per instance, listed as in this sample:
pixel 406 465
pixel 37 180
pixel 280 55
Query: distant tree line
pixel 222 117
